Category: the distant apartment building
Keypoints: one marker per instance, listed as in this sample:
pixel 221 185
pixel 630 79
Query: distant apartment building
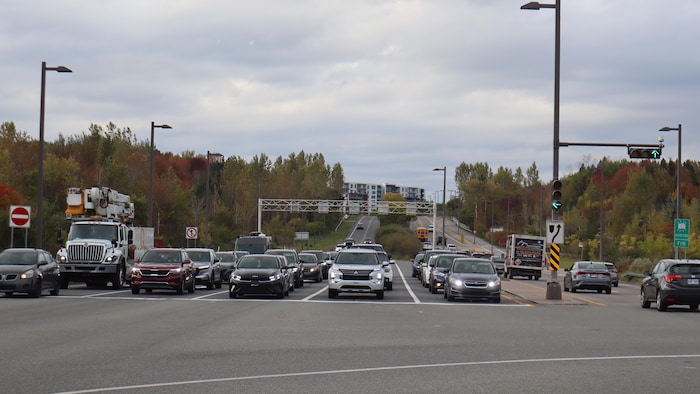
pixel 373 192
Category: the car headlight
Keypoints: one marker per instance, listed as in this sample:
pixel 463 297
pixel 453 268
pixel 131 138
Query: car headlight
pixel 204 267
pixel 456 282
pixel 312 269
pixel 275 277
pixel 135 271
pixel 27 274
pixel 175 271
pixel 111 259
pixel 494 283
pixel 295 269
pixel 61 258
pixel 335 274
pixel 377 275
pixel 235 277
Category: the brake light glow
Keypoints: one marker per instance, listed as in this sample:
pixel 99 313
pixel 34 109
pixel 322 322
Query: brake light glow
pixel 671 277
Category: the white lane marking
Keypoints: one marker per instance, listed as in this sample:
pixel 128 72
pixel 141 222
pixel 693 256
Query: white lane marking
pixel 106 293
pixel 394 368
pixel 210 294
pixel 309 297
pixel 408 288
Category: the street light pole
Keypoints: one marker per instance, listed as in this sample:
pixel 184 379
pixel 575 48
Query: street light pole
pixel 679 166
pixel 444 188
pixel 206 224
pixel 150 182
pixel 40 182
pixel 553 289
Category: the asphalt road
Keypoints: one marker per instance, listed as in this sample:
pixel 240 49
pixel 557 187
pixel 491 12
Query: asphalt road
pixel 100 340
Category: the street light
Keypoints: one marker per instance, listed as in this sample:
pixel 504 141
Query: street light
pixel 206 224
pixel 679 166
pixel 553 291
pixel 150 183
pixel 40 184
pixel 444 187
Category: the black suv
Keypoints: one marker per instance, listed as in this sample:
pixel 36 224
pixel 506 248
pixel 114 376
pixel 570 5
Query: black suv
pixel 259 274
pixel 293 264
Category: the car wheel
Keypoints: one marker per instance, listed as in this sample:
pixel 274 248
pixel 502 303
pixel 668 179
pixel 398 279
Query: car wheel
pixel 219 282
pixel 319 278
pixel 661 305
pixel 573 289
pixel 9 293
pixel 332 293
pixel 444 293
pixel 600 291
pixel 135 290
pixel 280 295
pixel 286 291
pixel 210 283
pixel 510 275
pixel 565 288
pixel 380 295
pixel 433 289
pixel 119 278
pixel 497 300
pixel 191 288
pixel 301 281
pixel 645 303
pixel 608 290
pixel 56 290
pixel 615 284
pixel 181 288
pixel 693 307
pixel 36 291
pixel 450 297
pixel 231 294
pixel 149 291
pixel 64 282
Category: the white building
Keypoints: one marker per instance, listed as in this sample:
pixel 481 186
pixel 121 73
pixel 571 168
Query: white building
pixel 373 192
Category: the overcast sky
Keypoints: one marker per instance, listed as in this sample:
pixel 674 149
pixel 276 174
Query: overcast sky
pixel 389 89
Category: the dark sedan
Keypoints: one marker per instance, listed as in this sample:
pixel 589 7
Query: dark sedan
pixel 28 271
pixel 227 261
pixel 207 267
pixel 672 282
pixel 259 274
pixel 436 279
pixel 590 275
pixel 472 278
pixel 313 269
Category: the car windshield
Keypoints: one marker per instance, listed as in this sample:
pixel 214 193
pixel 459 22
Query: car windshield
pixel 166 257
pixel 197 255
pixel 357 258
pixel 592 266
pixel 308 259
pixel 258 262
pixel 226 257
pixel 693 269
pixel 472 267
pixel 19 257
pixel 444 262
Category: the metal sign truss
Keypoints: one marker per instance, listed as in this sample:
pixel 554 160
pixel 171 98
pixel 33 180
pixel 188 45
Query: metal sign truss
pixel 348 207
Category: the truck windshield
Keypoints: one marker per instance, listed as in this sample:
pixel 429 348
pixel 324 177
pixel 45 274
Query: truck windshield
pixel 93 231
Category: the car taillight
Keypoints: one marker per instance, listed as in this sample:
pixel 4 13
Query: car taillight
pixel 671 277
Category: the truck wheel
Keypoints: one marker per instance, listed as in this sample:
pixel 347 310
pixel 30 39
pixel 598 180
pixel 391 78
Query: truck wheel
pixel 119 278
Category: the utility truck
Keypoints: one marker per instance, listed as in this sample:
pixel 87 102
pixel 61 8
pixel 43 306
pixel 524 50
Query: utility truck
pixel 525 256
pixel 101 243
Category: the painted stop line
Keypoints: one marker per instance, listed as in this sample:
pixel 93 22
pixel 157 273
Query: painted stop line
pixel 19 216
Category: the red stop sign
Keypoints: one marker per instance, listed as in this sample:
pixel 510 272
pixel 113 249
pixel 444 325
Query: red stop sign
pixel 19 216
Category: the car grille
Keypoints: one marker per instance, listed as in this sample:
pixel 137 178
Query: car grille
pixel 479 284
pixel 82 253
pixel 154 273
pixel 356 274
pixel 8 277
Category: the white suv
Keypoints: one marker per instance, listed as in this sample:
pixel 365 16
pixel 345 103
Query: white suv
pixel 357 270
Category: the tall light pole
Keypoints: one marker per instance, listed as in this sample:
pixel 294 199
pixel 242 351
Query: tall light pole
pixel 444 187
pixel 206 223
pixel 40 181
pixel 553 289
pixel 150 182
pixel 679 166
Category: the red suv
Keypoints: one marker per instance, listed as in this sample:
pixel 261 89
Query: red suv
pixel 163 268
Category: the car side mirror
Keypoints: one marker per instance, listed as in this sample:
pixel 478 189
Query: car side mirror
pixel 647 273
pixel 186 262
pixel 385 264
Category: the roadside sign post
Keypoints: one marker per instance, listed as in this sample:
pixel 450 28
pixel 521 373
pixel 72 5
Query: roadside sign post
pixel 681 233
pixel 20 217
pixel 192 233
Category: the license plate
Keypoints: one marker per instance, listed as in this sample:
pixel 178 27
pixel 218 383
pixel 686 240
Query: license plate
pixel 592 275
pixel 693 281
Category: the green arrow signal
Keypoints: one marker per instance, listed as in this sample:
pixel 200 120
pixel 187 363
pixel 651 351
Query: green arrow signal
pixel 556 204
pixel 655 153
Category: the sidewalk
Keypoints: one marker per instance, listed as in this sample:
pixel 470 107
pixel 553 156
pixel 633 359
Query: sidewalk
pixel 536 293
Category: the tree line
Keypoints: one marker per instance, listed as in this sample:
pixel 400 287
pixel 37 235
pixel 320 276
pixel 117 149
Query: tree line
pixel 110 156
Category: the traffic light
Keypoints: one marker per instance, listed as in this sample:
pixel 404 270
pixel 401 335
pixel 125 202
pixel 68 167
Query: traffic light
pixel 644 153
pixel 556 195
